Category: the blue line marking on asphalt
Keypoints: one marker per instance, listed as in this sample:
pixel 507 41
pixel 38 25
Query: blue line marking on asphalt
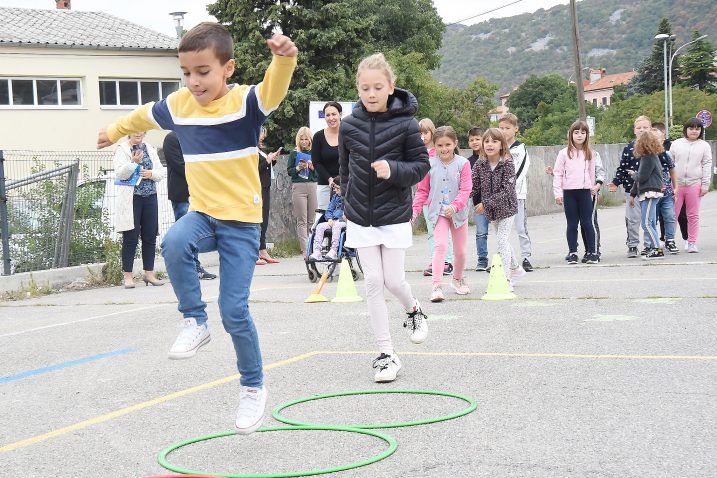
pixel 59 366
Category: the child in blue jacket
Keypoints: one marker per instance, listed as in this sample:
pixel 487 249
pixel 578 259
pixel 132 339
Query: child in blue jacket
pixel 335 220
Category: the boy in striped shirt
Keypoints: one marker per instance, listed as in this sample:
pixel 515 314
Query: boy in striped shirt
pixel 218 129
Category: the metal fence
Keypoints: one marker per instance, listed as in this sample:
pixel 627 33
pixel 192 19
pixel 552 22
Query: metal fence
pixel 57 208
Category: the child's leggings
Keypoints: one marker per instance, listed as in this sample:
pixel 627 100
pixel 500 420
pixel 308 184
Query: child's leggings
pixel 502 232
pixel 432 243
pixel 460 238
pixel 384 267
pixel 578 209
pixel 690 197
pixel 648 209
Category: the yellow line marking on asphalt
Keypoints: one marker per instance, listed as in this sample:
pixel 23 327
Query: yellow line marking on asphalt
pixel 143 405
pixel 188 391
pixel 533 355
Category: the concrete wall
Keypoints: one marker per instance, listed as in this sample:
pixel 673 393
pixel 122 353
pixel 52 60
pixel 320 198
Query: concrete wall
pixel 74 127
pixel 540 186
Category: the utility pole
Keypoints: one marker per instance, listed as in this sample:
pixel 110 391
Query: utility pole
pixel 578 66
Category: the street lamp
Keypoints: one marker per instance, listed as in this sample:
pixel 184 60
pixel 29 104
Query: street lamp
pixel 664 37
pixel 670 70
pixel 178 20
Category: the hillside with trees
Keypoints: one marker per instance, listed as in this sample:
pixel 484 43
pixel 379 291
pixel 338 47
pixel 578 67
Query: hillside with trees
pixel 615 35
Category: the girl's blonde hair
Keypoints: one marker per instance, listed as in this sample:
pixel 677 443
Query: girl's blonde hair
pixel 376 62
pixel 648 144
pixel 497 134
pixel 303 131
pixel 579 125
pixel 427 126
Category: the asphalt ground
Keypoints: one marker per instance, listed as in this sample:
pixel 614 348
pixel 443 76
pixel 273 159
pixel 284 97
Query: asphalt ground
pixel 607 370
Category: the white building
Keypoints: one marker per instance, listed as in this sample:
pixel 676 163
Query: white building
pixel 65 74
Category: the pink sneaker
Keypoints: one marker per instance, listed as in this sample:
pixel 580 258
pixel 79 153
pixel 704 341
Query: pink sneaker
pixel 516 274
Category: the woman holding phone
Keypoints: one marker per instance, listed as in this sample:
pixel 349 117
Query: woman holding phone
pixel 266 174
pixel 300 169
pixel 137 169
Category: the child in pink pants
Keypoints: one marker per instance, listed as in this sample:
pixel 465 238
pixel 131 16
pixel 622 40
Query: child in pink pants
pixel 445 192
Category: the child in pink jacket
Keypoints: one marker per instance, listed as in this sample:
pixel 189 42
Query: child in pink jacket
pixel 573 181
pixel 445 192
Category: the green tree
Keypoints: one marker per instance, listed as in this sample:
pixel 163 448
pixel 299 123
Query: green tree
pixel 698 65
pixel 554 119
pixel 332 37
pixel 650 71
pixel 615 124
pixel 524 101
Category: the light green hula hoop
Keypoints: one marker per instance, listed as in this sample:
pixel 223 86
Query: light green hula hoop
pixel 392 445
pixel 472 405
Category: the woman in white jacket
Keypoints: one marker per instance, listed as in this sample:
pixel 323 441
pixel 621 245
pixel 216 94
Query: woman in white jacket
pixel 573 186
pixel 693 163
pixel 137 169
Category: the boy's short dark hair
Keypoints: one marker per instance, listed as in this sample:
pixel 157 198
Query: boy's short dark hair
pixel 475 132
pixel 209 35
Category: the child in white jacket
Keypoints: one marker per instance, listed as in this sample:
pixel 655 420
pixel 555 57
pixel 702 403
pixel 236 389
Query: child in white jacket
pixel 573 184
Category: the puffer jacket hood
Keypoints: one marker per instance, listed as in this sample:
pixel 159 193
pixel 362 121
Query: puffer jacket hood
pixel 392 136
pixel 400 103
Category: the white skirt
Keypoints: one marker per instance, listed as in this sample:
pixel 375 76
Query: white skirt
pixel 393 236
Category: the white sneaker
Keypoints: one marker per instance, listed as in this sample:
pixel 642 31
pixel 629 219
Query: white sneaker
pixel 460 286
pixel 387 367
pixel 417 324
pixel 692 248
pixel 437 294
pixel 190 339
pixel 252 403
pixel 516 274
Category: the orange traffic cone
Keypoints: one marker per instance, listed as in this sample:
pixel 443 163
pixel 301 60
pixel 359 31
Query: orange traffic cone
pixel 498 288
pixel 316 295
pixel 346 289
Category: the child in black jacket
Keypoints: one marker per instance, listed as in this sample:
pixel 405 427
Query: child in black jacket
pixel 648 188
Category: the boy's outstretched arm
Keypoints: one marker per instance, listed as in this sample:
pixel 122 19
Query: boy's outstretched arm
pixel 103 140
pixel 282 45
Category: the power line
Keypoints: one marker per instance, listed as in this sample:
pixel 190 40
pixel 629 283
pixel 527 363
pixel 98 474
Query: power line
pixel 484 13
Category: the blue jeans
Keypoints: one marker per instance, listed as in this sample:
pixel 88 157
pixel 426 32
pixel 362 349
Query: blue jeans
pixel 181 208
pixel 648 214
pixel 481 236
pixel 238 246
pixel 666 208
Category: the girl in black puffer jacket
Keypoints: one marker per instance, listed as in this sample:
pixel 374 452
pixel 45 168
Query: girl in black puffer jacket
pixel 381 155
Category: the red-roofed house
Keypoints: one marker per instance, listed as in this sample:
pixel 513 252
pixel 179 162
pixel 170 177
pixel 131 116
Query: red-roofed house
pixel 599 88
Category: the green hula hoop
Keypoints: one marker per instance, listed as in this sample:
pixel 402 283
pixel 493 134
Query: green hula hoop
pixel 472 405
pixel 392 445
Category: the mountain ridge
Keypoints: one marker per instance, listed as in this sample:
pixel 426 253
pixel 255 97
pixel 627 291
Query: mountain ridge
pixel 614 35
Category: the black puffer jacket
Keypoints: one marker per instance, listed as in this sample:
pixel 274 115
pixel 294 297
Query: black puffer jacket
pixel 392 136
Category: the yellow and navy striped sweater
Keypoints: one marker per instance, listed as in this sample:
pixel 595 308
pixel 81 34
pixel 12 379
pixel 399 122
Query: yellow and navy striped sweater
pixel 219 141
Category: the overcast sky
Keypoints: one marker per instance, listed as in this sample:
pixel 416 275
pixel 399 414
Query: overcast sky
pixel 154 14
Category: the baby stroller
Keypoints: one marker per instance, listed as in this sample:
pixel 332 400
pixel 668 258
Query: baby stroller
pixel 315 268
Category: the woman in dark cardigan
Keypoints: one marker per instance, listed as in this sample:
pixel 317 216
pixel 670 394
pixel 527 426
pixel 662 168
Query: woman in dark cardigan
pixel 325 153
pixel 266 164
